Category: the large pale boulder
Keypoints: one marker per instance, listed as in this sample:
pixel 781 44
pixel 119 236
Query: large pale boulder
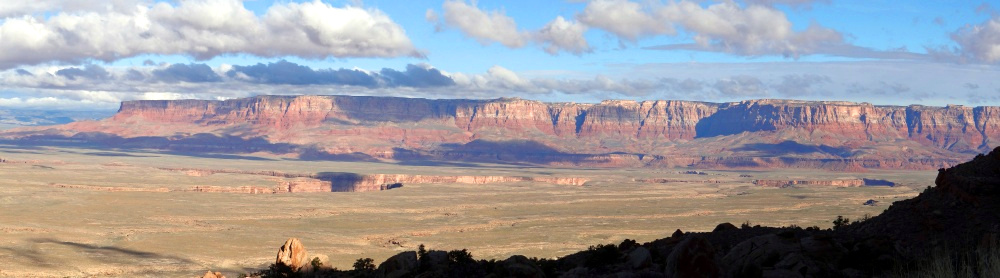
pixel 292 257
pixel 211 274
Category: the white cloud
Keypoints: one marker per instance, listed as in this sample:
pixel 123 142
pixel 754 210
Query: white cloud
pixel 29 7
pixel 494 26
pixel 563 35
pixel 484 27
pixel 979 43
pixel 793 3
pixel 200 28
pixel 752 30
pixel 507 79
pixel 624 18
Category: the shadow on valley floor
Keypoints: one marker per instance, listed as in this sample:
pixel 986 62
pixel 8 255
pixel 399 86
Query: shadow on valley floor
pixel 521 153
pixel 792 147
pixel 116 154
pixel 197 145
pixel 101 254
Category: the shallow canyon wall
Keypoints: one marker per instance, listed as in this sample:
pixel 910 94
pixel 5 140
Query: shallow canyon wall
pixel 353 182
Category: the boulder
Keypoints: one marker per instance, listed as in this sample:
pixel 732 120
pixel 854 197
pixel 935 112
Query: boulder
pixel 752 256
pixel 725 227
pixel 640 258
pixel 437 260
pixel 521 267
pixel 678 233
pixel 823 248
pixel 401 265
pixel 292 257
pixel 693 257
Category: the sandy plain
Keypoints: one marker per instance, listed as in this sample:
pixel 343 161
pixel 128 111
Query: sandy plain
pixel 72 211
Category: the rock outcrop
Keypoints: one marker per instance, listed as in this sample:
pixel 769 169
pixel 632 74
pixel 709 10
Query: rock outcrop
pixel 615 133
pixel 829 183
pixel 963 210
pixel 293 258
pixel 211 274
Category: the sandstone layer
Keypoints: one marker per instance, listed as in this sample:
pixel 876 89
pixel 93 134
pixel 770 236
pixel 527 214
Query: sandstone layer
pixel 614 133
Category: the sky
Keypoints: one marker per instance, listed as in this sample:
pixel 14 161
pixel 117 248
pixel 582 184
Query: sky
pixel 91 55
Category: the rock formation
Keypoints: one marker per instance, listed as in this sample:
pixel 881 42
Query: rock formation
pixel 753 133
pixel 830 183
pixel 211 274
pixel 292 257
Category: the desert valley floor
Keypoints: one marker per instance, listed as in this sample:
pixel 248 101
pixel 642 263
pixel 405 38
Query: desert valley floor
pixel 73 211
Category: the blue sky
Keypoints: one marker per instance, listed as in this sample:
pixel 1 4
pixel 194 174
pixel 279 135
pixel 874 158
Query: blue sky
pixel 70 55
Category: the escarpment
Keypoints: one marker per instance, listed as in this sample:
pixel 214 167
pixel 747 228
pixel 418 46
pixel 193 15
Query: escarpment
pixel 613 133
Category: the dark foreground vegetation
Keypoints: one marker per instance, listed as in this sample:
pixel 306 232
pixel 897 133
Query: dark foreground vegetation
pixel 950 230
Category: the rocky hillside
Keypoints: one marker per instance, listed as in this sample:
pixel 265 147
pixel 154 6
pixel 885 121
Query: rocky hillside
pixel 614 133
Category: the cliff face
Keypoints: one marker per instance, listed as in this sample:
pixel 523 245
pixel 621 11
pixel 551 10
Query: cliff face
pixel 611 133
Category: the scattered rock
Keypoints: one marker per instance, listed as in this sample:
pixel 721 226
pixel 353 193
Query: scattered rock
pixel 401 265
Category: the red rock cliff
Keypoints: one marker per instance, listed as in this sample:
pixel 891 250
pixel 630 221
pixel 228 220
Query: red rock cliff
pixel 643 133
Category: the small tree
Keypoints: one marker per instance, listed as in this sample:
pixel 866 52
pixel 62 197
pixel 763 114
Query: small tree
pixel 460 256
pixel 840 222
pixel 364 265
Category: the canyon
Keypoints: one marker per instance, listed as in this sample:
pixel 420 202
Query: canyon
pixel 844 136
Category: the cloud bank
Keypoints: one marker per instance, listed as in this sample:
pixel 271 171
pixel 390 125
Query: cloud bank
pixel 487 27
pixel 202 29
pixel 878 82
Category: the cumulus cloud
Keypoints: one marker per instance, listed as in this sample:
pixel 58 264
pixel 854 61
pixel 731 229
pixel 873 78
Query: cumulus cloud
pixel 288 73
pixel 88 72
pixel 284 72
pixel 184 73
pixel 29 7
pixel 484 27
pixel 487 27
pixel 624 18
pixel 563 35
pixel 752 30
pixel 792 3
pixel 979 43
pixel 416 76
pixel 199 28
pixel 741 86
pixel 798 85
